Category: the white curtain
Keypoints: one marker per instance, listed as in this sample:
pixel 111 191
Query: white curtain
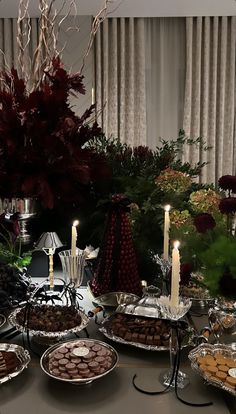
pixel 165 77
pixel 8 42
pixel 210 92
pixel 140 75
pixel 120 79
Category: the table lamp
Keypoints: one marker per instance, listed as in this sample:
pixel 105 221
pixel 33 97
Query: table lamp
pixel 49 242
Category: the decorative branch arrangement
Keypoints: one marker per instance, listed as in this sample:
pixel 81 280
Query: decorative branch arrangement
pixel 32 68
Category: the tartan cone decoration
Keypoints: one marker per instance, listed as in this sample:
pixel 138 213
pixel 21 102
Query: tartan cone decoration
pixel 117 269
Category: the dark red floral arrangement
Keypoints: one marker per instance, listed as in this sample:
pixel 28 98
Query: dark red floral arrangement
pixel 42 141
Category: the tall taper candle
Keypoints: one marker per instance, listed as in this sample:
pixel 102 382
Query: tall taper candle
pixel 166 232
pixel 74 237
pixel 175 275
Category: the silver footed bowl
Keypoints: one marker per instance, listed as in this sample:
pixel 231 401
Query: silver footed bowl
pixel 49 335
pixel 22 355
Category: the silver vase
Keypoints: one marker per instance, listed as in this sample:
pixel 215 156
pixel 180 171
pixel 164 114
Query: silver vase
pixel 26 208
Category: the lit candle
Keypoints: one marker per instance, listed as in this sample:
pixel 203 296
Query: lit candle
pixel 166 232
pixel 74 237
pixel 175 275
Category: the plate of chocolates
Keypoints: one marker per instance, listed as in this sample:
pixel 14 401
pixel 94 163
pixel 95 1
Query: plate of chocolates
pixel 49 321
pixel 13 360
pixel 152 334
pixel 79 361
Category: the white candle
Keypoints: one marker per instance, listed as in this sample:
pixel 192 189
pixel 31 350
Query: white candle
pixel 166 232
pixel 175 275
pixel 74 237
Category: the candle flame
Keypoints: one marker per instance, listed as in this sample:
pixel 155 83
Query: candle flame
pixel 176 244
pixel 167 207
pixel 76 223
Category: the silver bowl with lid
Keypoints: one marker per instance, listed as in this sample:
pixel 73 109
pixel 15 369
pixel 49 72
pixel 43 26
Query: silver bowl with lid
pixel 147 306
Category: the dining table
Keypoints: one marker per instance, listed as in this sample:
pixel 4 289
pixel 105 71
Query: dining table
pixel 34 392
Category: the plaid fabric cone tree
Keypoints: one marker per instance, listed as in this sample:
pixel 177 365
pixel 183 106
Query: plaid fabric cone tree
pixel 117 269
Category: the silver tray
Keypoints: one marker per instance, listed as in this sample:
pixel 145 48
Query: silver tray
pixel 108 334
pixel 45 334
pixel 208 349
pixel 2 320
pixel 22 355
pixel 113 299
pixel 79 381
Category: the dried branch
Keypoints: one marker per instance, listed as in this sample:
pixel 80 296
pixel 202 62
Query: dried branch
pixel 49 28
pixel 98 19
pixel 23 37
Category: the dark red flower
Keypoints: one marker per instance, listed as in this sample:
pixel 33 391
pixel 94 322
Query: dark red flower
pixel 228 182
pixel 42 140
pixel 204 222
pixel 227 205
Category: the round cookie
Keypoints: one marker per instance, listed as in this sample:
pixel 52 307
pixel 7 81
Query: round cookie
pixel 221 375
pixel 223 368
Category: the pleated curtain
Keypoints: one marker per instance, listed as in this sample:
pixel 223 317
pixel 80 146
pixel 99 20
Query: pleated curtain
pixel 165 77
pixel 9 49
pixel 139 78
pixel 120 79
pixel 210 93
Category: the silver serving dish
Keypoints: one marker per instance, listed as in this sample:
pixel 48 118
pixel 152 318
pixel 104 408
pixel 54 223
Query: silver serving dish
pixel 2 320
pixel 80 381
pixel 22 355
pixel 208 349
pixel 113 299
pixel 147 306
pixel 107 332
pixel 45 336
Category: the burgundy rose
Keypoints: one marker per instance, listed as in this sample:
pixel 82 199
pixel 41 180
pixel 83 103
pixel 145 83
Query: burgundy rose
pixel 204 222
pixel 228 182
pixel 227 205
pixel 185 273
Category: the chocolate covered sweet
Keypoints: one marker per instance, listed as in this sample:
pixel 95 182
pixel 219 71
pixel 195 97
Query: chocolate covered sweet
pixel 8 363
pixel 86 359
pixel 49 318
pixel 138 329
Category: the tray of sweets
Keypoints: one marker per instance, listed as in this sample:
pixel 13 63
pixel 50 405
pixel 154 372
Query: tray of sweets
pixel 79 361
pixel 143 332
pixel 13 360
pixel 216 364
pixel 49 321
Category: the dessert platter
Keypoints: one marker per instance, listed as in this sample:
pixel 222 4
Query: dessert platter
pixel 152 334
pixel 48 322
pixel 13 360
pixel 216 364
pixel 79 361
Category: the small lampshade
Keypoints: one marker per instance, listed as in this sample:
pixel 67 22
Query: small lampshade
pixel 49 240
